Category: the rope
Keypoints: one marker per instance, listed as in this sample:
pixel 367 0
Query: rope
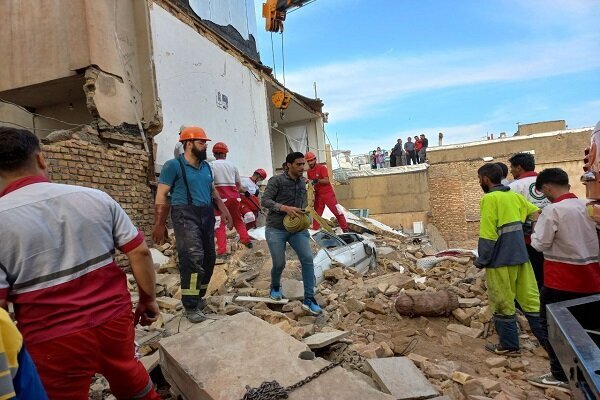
pixel 297 224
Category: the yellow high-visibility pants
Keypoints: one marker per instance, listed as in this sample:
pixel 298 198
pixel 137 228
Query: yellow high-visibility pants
pixel 510 283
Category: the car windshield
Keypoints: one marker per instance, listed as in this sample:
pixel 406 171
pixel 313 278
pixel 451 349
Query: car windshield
pixel 327 241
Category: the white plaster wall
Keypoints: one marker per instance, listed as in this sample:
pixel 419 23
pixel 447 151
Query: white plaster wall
pixel 238 13
pixel 190 71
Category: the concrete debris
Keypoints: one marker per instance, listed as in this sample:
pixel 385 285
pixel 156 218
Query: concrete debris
pixel 399 377
pixel 320 340
pixel 361 323
pixel 239 351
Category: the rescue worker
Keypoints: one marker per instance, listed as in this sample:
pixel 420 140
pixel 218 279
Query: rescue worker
pixel 567 237
pixel 71 299
pixel 324 195
pixel 189 180
pixel 285 195
pixel 502 253
pixel 228 183
pixel 18 377
pixel 250 206
pixel 522 168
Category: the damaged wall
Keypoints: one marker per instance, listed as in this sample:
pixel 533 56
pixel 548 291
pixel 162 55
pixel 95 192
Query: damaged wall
pixel 200 83
pixel 394 199
pixel 108 161
pixel 48 43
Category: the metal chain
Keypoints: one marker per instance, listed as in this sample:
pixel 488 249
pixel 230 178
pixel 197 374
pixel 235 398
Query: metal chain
pixel 274 391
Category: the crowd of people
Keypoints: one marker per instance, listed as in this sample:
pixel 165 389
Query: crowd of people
pixel 409 153
pixel 538 246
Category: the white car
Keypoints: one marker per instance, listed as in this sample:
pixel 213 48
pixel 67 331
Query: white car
pixel 350 249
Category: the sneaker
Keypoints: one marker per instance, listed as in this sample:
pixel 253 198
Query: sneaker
pixel 249 245
pixel 276 294
pixel 311 306
pixel 546 381
pixel 195 316
pixel 499 350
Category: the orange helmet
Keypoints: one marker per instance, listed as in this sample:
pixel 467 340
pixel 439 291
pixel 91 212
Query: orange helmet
pixel 220 147
pixel 191 133
pixel 261 172
pixel 310 156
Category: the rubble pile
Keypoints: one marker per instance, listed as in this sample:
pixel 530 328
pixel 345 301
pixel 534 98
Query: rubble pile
pixel 360 320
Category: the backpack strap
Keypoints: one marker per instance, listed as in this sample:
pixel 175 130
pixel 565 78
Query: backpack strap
pixel 183 175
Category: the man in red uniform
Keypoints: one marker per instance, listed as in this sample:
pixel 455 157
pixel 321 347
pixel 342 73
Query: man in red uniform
pixel 324 194
pixel 57 268
pixel 250 206
pixel 227 182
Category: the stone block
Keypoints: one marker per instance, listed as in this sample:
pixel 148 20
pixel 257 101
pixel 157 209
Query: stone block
pixel 468 303
pixel 323 339
pixel 374 307
pixel 461 377
pixel 168 303
pixel 355 305
pixel 496 362
pixel 400 377
pixel 417 359
pixel 255 352
pixel 292 289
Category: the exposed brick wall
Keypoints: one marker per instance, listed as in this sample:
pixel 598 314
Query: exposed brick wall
pixel 119 170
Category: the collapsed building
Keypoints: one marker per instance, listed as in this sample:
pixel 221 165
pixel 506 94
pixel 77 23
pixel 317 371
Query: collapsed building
pixel 106 85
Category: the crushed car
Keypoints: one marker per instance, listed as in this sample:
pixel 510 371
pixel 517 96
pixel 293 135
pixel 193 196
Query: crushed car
pixel 349 249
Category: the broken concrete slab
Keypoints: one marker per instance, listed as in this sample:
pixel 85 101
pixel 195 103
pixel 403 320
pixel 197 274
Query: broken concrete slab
pixel 292 289
pixel 320 340
pixel 250 299
pixel 255 352
pixel 150 362
pixel 158 258
pixel 400 377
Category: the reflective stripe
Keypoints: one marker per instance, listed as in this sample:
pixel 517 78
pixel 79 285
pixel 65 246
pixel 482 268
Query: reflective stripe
pixel 7 390
pixel 569 260
pixel 192 291
pixel 66 272
pixel 3 362
pixel 512 227
pixel 142 393
pixel 204 286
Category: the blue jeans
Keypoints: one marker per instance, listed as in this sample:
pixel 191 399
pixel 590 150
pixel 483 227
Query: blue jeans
pixel 300 242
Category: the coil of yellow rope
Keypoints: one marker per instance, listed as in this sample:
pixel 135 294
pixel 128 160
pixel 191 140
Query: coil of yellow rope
pixel 297 224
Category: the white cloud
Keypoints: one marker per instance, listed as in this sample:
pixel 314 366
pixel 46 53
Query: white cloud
pixel 357 88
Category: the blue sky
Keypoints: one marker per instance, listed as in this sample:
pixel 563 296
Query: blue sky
pixel 389 69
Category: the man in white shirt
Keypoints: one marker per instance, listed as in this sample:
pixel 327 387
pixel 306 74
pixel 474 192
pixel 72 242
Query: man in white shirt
pixel 522 168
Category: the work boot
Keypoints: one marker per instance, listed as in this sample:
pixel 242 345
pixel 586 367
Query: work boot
pixel 195 316
pixel 249 245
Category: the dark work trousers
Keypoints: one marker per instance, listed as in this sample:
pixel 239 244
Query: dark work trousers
pixel 411 157
pixel 537 263
pixel 549 296
pixel 195 240
pixel 392 161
